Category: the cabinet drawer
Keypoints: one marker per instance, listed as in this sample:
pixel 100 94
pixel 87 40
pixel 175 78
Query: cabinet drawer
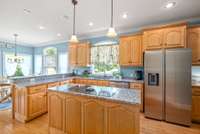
pixel 37 89
pixel 54 84
pixel 136 85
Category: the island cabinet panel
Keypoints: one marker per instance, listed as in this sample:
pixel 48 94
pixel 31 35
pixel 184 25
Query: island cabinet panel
pixel 130 51
pixel 37 104
pixel 121 119
pixel 194 44
pixel 73 115
pixel 175 37
pixel 93 117
pixel 56 112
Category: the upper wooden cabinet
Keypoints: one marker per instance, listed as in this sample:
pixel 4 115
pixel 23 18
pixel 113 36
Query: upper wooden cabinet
pixel 79 54
pixel 130 51
pixel 194 44
pixel 165 37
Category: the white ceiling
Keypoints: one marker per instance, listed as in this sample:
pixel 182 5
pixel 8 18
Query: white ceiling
pixel 49 13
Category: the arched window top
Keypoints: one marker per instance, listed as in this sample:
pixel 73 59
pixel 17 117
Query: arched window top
pixel 107 42
pixel 50 51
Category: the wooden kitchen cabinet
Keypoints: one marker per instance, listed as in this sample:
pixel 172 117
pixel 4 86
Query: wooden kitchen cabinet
pixel 73 54
pixel 139 86
pixel 169 36
pixel 196 104
pixel 53 84
pixel 153 39
pixel 79 54
pixel 194 43
pixel 37 104
pixel 130 51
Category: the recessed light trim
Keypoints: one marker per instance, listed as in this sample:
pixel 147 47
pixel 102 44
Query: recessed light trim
pixel 27 11
pixel 91 24
pixel 125 16
pixel 170 5
pixel 41 27
pixel 58 34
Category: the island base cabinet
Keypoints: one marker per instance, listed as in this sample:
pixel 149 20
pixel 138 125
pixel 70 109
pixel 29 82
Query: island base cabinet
pixel 71 114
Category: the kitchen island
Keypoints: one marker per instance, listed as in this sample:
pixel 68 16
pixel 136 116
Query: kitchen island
pixel 80 109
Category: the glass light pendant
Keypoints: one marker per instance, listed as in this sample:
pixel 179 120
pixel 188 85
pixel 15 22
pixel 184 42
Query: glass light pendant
pixel 111 31
pixel 15 59
pixel 74 38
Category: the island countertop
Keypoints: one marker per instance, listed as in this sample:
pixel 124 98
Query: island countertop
pixel 122 95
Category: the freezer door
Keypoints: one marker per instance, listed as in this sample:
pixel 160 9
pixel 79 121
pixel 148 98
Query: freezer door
pixel 178 86
pixel 154 88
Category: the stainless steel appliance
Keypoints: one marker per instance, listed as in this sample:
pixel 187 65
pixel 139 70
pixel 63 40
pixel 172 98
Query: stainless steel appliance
pixel 168 92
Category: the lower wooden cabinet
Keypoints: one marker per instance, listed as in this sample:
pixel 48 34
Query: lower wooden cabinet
pixel 71 114
pixel 196 104
pixel 37 104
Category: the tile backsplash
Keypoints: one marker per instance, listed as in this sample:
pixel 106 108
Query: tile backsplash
pixel 129 71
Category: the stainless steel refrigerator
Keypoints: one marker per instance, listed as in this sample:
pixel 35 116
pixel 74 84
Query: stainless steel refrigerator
pixel 168 93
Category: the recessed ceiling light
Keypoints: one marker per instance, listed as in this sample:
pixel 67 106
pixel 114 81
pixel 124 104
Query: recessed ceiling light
pixel 41 27
pixel 125 16
pixel 27 11
pixel 91 24
pixel 170 5
pixel 66 17
pixel 58 34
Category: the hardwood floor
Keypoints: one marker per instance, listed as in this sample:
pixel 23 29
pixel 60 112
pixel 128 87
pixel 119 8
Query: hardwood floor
pixel 40 126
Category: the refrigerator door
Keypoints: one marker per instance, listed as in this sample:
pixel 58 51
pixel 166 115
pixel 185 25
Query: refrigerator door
pixel 178 91
pixel 154 87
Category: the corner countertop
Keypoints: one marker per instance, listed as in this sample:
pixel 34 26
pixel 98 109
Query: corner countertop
pixel 122 95
pixel 39 82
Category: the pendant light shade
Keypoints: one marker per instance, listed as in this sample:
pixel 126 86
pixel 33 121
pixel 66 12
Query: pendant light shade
pixel 111 31
pixel 15 58
pixel 74 38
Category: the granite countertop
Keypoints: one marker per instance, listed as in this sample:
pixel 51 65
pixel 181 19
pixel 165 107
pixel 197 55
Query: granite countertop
pixel 38 82
pixel 122 95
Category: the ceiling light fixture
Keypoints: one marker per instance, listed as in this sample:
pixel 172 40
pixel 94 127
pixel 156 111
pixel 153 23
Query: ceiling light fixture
pixel 111 31
pixel 170 5
pixel 125 16
pixel 41 27
pixel 15 59
pixel 74 39
pixel 58 34
pixel 91 24
pixel 27 11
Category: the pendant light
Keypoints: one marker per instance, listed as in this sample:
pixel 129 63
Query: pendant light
pixel 111 31
pixel 74 38
pixel 15 59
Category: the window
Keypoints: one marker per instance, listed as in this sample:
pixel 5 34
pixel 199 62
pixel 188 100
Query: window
pixel 11 68
pixel 50 60
pixel 38 64
pixel 63 62
pixel 105 59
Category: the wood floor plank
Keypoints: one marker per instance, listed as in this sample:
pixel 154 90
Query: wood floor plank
pixel 40 126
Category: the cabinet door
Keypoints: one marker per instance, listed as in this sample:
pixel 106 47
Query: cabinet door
pixel 73 115
pixel 196 108
pixel 153 39
pixel 56 112
pixel 81 55
pixel 136 51
pixel 73 54
pixel 175 37
pixel 122 119
pixel 93 118
pixel 124 51
pixel 37 104
pixel 194 44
